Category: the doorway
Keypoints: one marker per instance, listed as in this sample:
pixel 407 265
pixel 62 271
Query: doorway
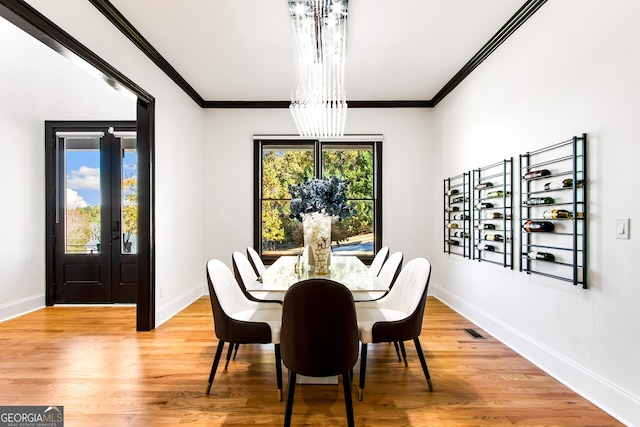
pixel 94 211
pixel 34 23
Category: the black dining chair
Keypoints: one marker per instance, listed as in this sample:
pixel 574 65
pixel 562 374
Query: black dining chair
pixel 319 336
pixel 396 317
pixel 240 320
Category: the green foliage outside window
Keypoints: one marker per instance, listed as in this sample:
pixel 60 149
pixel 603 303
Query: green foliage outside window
pixel 290 165
pixel 83 226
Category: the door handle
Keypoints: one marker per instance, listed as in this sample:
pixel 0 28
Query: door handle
pixel 116 231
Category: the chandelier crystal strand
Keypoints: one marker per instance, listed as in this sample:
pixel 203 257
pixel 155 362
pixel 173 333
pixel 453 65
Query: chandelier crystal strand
pixel 318 105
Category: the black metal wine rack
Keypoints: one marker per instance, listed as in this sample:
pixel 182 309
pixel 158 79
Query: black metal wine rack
pixel 553 195
pixel 457 215
pixel 492 213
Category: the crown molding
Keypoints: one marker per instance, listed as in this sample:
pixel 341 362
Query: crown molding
pixel 285 104
pixel 126 28
pixel 515 22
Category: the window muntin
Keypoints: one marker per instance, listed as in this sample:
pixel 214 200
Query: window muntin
pixel 286 163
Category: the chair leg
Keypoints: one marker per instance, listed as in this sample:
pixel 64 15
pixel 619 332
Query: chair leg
pixel 423 362
pixel 278 371
pixel 231 345
pixel 235 352
pixel 404 353
pixel 348 402
pixel 395 344
pixel 291 389
pixel 214 367
pixel 363 369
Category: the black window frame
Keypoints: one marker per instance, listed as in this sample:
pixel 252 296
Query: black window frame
pixel 260 142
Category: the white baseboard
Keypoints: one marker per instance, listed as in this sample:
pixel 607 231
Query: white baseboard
pixel 617 402
pixel 18 308
pixel 26 305
pixel 176 305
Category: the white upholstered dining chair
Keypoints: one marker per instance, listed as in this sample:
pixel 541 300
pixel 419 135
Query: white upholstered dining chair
pixel 386 277
pixel 246 275
pixel 379 260
pixel 239 320
pixel 396 317
pixel 256 261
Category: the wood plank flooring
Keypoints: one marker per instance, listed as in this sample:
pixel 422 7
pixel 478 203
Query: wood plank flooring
pixel 91 361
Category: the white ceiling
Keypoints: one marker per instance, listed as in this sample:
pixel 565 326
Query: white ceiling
pixel 242 50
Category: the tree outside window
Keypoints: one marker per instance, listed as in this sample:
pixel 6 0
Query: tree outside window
pixel 284 163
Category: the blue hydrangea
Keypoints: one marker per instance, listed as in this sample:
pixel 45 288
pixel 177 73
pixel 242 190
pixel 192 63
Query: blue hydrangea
pixel 321 195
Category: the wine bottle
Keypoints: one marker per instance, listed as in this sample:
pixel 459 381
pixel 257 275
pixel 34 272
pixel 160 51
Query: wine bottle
pixel 496 194
pixel 539 201
pixel 460 217
pixel 452 225
pixel 452 209
pixel 536 174
pixel 485 226
pixel 534 226
pixel 461 234
pixel 452 192
pixel 544 256
pixel 493 215
pixel 484 205
pixel 486 247
pixel 459 199
pixel 452 242
pixel 557 213
pixel 494 237
pixel 557 185
pixel 481 185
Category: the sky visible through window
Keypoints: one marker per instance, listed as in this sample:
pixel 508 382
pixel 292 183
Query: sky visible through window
pixel 83 176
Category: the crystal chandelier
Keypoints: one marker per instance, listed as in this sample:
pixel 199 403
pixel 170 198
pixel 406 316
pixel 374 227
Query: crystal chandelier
pixel 319 104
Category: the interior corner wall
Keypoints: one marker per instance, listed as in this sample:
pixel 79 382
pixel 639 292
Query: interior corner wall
pixel 406 148
pixel 573 67
pixel 36 84
pixel 179 261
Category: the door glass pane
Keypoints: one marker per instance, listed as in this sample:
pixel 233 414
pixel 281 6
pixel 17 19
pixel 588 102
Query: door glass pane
pixel 82 195
pixel 354 235
pixel 129 193
pixel 282 166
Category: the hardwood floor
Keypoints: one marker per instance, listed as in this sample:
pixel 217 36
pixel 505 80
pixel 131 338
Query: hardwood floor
pixel 91 361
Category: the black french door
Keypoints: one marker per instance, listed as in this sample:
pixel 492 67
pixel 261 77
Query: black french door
pixel 92 206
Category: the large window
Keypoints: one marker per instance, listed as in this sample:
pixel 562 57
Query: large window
pixel 280 163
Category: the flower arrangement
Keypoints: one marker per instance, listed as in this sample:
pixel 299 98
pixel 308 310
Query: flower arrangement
pixel 327 196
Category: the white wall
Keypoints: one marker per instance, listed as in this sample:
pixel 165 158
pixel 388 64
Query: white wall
pixel 571 68
pixel 406 150
pixel 36 84
pixel 574 67
pixel 178 157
